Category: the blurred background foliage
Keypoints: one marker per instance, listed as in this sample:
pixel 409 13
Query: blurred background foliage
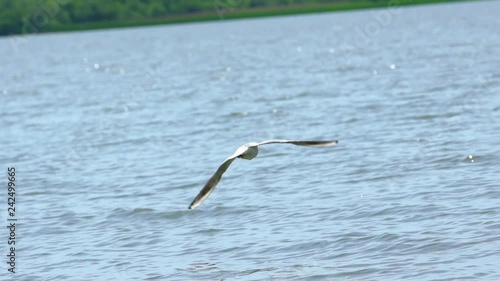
pixel 28 16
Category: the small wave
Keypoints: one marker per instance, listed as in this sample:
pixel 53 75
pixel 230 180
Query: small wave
pixel 238 113
pixel 141 210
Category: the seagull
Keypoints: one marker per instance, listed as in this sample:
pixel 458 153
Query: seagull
pixel 248 152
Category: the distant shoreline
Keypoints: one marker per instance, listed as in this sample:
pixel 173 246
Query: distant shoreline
pixel 222 12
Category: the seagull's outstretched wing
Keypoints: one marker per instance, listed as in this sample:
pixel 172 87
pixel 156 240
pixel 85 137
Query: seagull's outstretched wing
pixel 304 143
pixel 214 180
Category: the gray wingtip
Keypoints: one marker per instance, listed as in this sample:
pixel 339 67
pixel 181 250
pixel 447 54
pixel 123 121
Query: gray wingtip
pixel 194 204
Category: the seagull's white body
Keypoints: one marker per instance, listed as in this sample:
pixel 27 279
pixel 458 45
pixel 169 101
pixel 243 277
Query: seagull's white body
pixel 247 151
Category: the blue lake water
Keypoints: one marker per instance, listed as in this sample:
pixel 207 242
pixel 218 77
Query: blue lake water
pixel 114 132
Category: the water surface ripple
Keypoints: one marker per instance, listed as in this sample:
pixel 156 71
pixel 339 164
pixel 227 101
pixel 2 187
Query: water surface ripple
pixel 114 132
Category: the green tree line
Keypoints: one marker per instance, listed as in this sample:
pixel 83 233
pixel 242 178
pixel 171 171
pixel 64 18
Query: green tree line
pixel 30 16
